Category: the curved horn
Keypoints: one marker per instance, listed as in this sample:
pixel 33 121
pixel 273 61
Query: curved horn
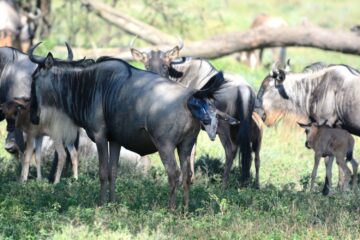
pixel 181 45
pixel 131 44
pixel 70 52
pixel 35 59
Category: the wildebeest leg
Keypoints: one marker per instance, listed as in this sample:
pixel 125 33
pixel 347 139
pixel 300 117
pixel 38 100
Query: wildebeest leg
pixel 314 171
pixel 60 149
pixel 192 162
pixel 74 159
pixel 354 165
pixel 257 167
pixel 102 147
pixel 184 152
pixel 38 145
pixel 340 159
pixel 26 160
pixel 168 159
pixel 113 166
pixel 230 151
pixel 328 179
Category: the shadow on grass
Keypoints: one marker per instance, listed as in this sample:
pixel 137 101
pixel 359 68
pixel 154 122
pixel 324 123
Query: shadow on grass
pixel 39 207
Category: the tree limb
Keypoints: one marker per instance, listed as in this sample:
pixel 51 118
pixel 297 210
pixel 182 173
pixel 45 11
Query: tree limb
pixel 225 44
pixel 129 24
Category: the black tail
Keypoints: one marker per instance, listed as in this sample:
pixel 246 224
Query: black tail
pixel 349 155
pixel 246 102
pixel 210 87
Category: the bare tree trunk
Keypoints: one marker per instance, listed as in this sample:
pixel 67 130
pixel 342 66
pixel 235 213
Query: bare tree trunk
pixel 225 44
pixel 45 24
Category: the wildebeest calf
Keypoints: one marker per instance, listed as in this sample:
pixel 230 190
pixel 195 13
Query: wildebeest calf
pixel 331 142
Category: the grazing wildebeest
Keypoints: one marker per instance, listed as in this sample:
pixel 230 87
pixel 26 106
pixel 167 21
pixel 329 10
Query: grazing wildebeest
pixel 235 98
pixel 331 142
pixel 321 93
pixel 120 105
pixel 254 58
pixel 17 27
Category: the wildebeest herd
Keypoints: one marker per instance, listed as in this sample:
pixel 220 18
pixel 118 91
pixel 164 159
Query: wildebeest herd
pixel 162 109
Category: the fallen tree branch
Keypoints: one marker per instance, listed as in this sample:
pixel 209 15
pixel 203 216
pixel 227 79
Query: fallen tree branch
pixel 225 44
pixel 129 24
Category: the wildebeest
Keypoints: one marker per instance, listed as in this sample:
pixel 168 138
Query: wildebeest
pixel 17 27
pixel 235 98
pixel 15 86
pixel 331 142
pixel 254 58
pixel 321 93
pixel 120 105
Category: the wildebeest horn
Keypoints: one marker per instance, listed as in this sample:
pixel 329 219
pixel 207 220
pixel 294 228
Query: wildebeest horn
pixel 35 59
pixel 131 44
pixel 70 52
pixel 181 42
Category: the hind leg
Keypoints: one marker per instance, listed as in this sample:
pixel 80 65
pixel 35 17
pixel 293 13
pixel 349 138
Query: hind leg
pixel 340 159
pixel 354 165
pixel 184 152
pixel 60 149
pixel 27 158
pixel 74 159
pixel 174 175
pixel 230 151
pixel 257 168
pixel 192 162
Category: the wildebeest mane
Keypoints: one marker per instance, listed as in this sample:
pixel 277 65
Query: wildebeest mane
pixel 211 86
pixel 314 67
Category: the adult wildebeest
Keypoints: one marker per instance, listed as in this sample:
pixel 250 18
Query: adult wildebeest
pixel 17 27
pixel 321 93
pixel 331 142
pixel 254 58
pixel 15 86
pixel 120 105
pixel 235 98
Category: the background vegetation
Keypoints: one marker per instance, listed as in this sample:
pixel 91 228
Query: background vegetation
pixel 282 208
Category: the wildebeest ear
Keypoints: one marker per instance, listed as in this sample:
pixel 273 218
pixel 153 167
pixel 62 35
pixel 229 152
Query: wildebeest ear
pixel 287 66
pixel 281 77
pixel 172 53
pixel 21 102
pixel 49 61
pixel 139 56
pixel 226 117
pixel 304 125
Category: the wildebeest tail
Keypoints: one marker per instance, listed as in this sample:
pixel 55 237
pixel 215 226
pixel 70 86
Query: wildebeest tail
pixel 349 155
pixel 211 86
pixel 246 102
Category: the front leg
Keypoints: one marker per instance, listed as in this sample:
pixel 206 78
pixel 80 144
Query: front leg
pixel 102 147
pixel 328 181
pixel 113 166
pixel 314 172
pixel 26 159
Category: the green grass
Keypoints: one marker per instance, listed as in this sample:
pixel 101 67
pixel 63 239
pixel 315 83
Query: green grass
pixel 281 209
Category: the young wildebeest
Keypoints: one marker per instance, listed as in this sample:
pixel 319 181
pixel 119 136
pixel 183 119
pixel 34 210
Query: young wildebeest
pixel 15 85
pixel 235 98
pixel 331 142
pixel 119 105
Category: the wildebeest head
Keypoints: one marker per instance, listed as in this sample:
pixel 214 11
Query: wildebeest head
pixel 157 61
pixel 272 96
pixel 16 109
pixel 311 131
